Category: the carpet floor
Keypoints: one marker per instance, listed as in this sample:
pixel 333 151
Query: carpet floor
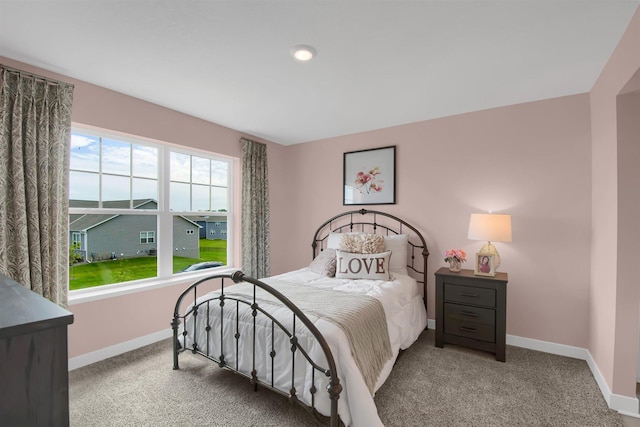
pixel 429 386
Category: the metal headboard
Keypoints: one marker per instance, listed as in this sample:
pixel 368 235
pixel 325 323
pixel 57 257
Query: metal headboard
pixel 377 222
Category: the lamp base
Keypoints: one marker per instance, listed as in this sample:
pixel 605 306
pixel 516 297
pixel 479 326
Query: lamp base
pixel 488 248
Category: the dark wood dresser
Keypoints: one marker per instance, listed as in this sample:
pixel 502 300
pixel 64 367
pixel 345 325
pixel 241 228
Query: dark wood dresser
pixel 471 311
pixel 34 376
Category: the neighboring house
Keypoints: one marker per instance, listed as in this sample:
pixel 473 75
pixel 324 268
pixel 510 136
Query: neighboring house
pixel 211 227
pixel 106 236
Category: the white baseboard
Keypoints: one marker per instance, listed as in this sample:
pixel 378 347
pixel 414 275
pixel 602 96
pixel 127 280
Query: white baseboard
pixel 431 324
pixel 120 348
pixel 623 404
pixel 548 347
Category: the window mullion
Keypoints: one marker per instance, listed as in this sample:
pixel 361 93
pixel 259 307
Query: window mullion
pixel 100 205
pixel 131 204
pixel 164 235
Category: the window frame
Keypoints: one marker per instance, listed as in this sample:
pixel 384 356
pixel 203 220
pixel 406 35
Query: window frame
pixel 163 236
pixel 150 237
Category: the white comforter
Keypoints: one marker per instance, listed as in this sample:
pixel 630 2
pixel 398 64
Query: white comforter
pixel 406 318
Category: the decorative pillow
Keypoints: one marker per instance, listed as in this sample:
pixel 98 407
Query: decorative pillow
pixel 397 244
pixel 350 243
pixel 334 239
pixel 372 244
pixel 325 263
pixel 362 243
pixel 362 266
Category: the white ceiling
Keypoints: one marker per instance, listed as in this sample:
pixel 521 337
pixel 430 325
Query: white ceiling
pixel 379 63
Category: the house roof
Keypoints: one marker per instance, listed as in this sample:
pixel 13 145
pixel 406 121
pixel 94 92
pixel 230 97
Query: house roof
pixel 114 204
pixel 84 222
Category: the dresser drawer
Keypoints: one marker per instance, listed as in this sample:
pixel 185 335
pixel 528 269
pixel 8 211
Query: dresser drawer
pixel 470 295
pixel 466 313
pixel 477 331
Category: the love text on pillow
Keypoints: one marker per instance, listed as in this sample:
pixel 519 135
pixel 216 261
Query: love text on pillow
pixel 362 266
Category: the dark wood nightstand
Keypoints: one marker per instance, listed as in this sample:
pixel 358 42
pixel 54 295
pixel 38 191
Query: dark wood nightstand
pixel 471 311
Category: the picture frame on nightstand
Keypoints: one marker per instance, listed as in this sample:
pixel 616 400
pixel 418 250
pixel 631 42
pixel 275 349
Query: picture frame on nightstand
pixel 485 264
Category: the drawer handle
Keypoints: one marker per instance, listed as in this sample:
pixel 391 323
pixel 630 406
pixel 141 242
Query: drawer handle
pixel 466 294
pixel 468 329
pixel 468 313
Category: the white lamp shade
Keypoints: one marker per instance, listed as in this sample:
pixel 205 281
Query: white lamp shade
pixel 490 227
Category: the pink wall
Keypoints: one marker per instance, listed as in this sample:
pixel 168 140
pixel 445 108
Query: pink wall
pixel 530 160
pixel 614 298
pixel 103 323
pixel 628 291
pixel 536 161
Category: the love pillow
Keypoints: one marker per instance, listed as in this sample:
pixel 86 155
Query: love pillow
pixel 362 266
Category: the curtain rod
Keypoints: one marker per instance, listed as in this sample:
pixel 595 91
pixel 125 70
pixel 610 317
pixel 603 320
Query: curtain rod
pixel 34 76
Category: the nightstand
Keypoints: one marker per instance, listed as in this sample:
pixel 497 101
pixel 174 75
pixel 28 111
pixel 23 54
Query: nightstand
pixel 471 311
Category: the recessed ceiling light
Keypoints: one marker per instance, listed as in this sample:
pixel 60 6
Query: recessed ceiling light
pixel 303 53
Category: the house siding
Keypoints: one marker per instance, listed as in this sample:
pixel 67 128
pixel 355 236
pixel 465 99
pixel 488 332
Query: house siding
pixel 120 236
pixel 185 245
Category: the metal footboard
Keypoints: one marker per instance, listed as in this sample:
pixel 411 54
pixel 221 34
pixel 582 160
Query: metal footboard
pixel 222 303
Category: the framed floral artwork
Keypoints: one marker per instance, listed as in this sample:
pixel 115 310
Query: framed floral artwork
pixel 485 264
pixel 370 177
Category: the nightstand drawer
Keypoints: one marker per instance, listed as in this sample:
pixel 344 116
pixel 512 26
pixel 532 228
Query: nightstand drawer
pixel 477 331
pixel 466 313
pixel 470 295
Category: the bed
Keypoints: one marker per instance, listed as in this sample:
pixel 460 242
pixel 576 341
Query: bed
pixel 326 336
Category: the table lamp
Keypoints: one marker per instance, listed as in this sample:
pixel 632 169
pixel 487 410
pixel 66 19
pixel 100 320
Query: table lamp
pixel 492 228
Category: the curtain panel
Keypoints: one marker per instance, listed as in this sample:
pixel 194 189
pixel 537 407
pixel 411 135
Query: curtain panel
pixel 255 209
pixel 35 128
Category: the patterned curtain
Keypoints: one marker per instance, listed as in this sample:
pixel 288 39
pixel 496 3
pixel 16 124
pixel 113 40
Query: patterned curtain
pixel 255 209
pixel 35 127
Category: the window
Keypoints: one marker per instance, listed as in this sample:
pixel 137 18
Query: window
pixel 147 237
pixel 120 189
pixel 76 238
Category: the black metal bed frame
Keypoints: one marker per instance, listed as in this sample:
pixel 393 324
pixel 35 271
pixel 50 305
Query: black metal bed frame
pixel 379 222
pixel 334 388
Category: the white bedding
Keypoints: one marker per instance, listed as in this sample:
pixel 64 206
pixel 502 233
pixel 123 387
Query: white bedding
pixel 406 318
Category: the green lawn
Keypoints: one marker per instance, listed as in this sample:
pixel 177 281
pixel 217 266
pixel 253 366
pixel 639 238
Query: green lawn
pixel 123 270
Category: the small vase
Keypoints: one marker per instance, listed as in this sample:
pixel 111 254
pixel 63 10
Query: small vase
pixel 455 265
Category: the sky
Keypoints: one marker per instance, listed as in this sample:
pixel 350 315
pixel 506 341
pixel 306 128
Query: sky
pixel 128 171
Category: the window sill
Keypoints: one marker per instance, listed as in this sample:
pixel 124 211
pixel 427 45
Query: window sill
pixel 81 296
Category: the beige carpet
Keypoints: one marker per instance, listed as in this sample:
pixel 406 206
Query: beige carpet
pixel 428 387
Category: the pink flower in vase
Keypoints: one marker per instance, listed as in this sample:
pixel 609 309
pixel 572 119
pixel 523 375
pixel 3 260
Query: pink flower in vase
pixel 457 254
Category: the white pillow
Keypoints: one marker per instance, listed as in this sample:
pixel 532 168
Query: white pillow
pixel 397 244
pixel 334 239
pixel 362 266
pixel 325 263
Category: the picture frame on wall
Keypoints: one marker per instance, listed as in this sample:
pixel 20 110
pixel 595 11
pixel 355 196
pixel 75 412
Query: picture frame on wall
pixel 485 264
pixel 369 177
